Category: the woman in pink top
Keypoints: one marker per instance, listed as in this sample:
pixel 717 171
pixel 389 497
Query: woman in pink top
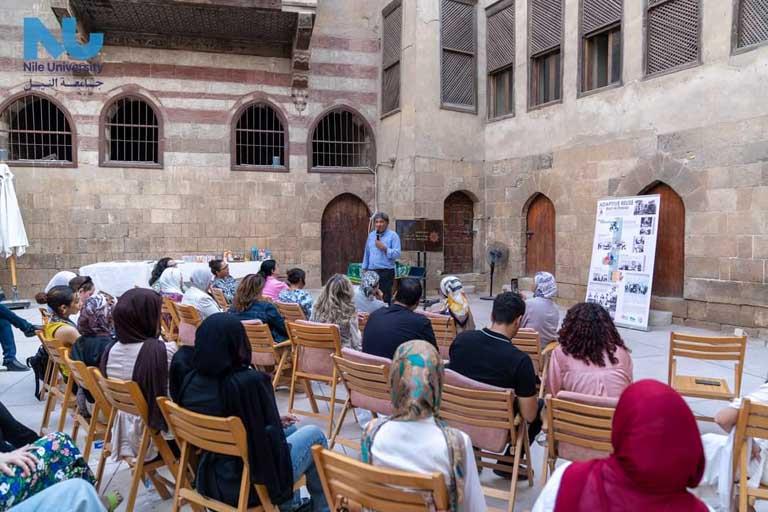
pixel 273 286
pixel 592 358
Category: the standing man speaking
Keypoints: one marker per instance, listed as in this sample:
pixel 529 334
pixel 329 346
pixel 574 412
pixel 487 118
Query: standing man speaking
pixel 381 251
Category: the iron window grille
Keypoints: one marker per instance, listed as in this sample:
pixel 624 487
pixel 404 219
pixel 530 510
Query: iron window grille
pixel 36 131
pixel 342 141
pixel 132 134
pixel 261 139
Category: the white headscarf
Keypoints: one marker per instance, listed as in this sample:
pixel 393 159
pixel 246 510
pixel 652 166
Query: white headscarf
pixel 60 279
pixel 170 281
pixel 201 279
pixel 456 299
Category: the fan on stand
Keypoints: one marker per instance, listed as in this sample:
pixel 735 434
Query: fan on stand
pixel 495 255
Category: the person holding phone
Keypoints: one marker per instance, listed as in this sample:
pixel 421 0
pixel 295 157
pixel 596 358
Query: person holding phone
pixel 382 249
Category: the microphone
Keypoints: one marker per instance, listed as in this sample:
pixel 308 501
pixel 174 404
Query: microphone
pixel 378 236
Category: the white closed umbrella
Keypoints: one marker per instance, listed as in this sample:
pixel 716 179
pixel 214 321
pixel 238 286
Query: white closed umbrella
pixel 13 236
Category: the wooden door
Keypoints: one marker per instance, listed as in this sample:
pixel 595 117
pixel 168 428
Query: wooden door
pixel 540 235
pixel 669 268
pixel 458 212
pixel 343 234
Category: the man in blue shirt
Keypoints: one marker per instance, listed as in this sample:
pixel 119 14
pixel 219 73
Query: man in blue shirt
pixel 381 251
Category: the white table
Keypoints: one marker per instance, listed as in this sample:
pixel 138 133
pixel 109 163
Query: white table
pixel 117 277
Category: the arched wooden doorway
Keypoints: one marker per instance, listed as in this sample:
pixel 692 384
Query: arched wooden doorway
pixel 458 212
pixel 669 268
pixel 540 236
pixel 343 233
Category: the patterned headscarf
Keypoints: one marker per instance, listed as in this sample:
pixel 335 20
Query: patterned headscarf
pixel 96 317
pixel 456 300
pixel 368 283
pixel 545 285
pixel 416 381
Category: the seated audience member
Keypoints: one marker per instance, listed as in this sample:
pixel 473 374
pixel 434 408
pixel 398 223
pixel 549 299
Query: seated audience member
pixel 222 280
pixel 96 329
pixel 592 358
pixel 140 356
pixel 541 313
pixel 455 303
pixel 368 296
pixel 171 284
pixel 273 286
pixel 86 288
pixel 413 438
pixel 197 294
pixel 76 494
pixel 389 327
pixel 10 319
pixel 13 434
pixel 60 279
pixel 157 271
pixel 335 306
pixel 250 304
pixel 295 294
pixel 63 302
pixel 657 456
pixel 221 383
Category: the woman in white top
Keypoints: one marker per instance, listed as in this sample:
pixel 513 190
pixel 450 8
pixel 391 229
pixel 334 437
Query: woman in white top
pixel 197 294
pixel 413 439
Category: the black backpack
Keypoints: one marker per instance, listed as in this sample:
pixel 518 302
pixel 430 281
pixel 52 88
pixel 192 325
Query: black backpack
pixel 38 363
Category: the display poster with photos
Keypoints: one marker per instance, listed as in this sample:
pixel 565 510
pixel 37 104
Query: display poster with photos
pixel 623 253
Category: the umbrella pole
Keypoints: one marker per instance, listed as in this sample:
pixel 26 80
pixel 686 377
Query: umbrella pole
pixel 14 303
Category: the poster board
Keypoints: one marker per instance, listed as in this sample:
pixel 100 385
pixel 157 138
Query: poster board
pixel 623 258
pixel 420 235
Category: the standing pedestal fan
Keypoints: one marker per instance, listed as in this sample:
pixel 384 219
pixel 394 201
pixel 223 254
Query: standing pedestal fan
pixel 496 254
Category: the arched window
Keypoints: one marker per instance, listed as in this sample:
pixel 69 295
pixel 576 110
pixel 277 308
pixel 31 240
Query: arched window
pixel 36 130
pixel 131 133
pixel 260 139
pixel 342 140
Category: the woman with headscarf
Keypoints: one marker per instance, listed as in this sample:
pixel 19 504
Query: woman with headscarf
pixel 414 438
pixel 60 279
pixel 170 284
pixel 140 356
pixel 198 295
pixel 335 306
pixel 541 313
pixel 657 456
pixel 157 271
pixel 455 303
pixel 368 296
pixel 221 383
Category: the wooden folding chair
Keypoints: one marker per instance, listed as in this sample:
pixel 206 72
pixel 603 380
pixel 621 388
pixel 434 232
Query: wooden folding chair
pixel 56 387
pixel 362 321
pixel 313 345
pixel 290 312
pixel 752 423
pixel 220 299
pixel 212 434
pixel 707 348
pixel 529 341
pixel 189 321
pixel 486 414
pixel 265 352
pixel 353 485
pixel 366 378
pixel 125 396
pixel 577 430
pixel 169 321
pixel 444 328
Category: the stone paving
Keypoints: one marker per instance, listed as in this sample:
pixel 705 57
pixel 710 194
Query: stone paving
pixel 649 354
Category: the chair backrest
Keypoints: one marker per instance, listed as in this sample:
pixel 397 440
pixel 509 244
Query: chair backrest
pixel 529 341
pixel 362 320
pixel 123 395
pixel 169 320
pixel 290 311
pixel 45 315
pixel 220 299
pixel 86 380
pixel 52 346
pixel 579 426
pixel 752 423
pixel 262 343
pixel 367 380
pixel 445 332
pixel 189 321
pixel 712 348
pixel 350 484
pixel 314 344
pixel 485 413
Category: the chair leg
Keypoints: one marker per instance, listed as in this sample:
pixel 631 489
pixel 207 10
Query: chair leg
pixel 292 392
pixel 545 469
pixel 138 470
pixel 515 470
pixel 158 484
pixel 528 458
pixel 165 451
pixel 347 407
pixel 181 477
pixel 90 436
pixel 743 489
pixel 50 404
pixel 279 370
pixel 65 404
pixel 332 405
pixel 310 395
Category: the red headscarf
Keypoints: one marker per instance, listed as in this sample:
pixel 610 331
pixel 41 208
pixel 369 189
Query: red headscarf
pixel 657 454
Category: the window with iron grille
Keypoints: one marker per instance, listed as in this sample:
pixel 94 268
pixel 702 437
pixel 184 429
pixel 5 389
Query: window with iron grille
pixel 34 129
pixel 500 50
pixel 601 43
pixel 260 137
pixel 545 39
pixel 390 57
pixel 672 35
pixel 750 23
pixel 342 141
pixel 458 70
pixel 131 133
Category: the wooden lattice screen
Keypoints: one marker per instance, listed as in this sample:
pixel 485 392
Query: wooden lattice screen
pixel 390 56
pixel 545 25
pixel 597 14
pixel 752 23
pixel 672 34
pixel 458 80
pixel 500 36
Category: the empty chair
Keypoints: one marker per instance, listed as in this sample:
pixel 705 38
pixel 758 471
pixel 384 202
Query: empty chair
pixel 290 311
pixel 752 423
pixel 265 352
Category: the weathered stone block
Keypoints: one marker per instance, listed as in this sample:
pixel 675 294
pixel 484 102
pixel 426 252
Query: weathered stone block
pixel 678 307
pixel 722 200
pixel 704 267
pixel 752 271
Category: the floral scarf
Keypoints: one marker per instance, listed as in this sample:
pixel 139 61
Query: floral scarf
pixel 456 301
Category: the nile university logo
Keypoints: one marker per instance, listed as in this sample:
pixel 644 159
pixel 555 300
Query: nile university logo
pixel 36 33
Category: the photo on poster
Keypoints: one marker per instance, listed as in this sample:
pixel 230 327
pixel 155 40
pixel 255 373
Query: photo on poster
pixel 638 245
pixel 646 222
pixel 637 285
pixel 646 231
pixel 645 207
pixel 606 296
pixel 600 277
pixel 633 263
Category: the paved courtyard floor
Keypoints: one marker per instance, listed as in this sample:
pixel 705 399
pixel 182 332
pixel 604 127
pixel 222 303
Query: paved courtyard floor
pixel 649 354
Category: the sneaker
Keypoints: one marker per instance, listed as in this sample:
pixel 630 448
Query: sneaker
pixel 13 365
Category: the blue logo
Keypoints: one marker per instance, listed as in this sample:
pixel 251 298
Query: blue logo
pixel 35 32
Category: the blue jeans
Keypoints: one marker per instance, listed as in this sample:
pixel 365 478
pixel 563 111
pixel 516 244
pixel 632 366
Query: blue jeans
pixel 76 495
pixel 7 319
pixel 301 441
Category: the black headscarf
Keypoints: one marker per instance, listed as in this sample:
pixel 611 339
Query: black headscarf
pixel 137 320
pixel 221 346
